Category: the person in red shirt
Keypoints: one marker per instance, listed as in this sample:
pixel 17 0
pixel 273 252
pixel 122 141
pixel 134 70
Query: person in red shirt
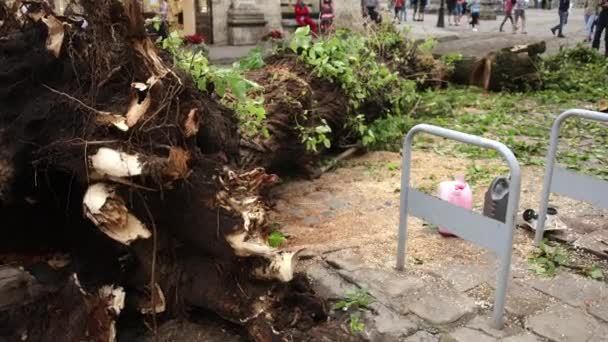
pixel 303 16
pixel 399 9
pixel 327 16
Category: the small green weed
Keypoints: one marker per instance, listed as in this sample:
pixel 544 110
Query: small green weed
pixel 392 166
pixel 276 239
pixel 594 272
pixel 547 258
pixel 355 323
pixel 358 299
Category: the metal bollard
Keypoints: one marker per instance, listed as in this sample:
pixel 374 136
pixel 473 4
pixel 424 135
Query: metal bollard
pixel 565 182
pixel 491 234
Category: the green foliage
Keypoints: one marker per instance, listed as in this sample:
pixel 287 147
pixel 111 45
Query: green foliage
pixel 355 323
pixel 389 131
pixel 451 58
pixel 393 166
pixel 594 272
pixel 581 72
pixel 428 45
pixel 520 120
pixel 276 239
pixel 349 60
pixel 253 61
pixel 229 84
pixel 358 299
pixel 547 258
pixel 312 137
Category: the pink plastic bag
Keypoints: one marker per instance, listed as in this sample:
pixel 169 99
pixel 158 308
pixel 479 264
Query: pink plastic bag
pixel 457 192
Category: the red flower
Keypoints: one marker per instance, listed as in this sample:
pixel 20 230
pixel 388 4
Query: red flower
pixel 194 39
pixel 274 35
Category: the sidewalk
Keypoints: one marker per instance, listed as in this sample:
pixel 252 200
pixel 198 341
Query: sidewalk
pixel 462 39
pixel 348 221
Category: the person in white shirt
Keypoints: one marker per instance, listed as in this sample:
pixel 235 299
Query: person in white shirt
pixel 520 13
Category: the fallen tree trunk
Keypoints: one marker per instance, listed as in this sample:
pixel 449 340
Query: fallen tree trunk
pixel 512 68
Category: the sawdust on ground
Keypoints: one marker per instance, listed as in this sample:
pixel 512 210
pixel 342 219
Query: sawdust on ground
pixel 356 207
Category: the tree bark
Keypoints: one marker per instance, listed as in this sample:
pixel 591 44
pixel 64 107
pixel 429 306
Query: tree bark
pixel 512 68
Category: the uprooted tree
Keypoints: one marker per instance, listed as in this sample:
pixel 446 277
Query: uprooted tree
pixel 113 157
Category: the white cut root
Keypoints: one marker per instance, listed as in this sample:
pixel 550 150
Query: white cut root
pixel 107 210
pixel 55 35
pixel 116 164
pixel 280 267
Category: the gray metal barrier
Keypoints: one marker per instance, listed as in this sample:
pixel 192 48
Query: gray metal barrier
pixel 494 235
pixel 565 182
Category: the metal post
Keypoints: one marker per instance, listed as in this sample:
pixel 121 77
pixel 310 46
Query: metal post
pixel 550 163
pixel 486 232
pixel 403 195
pixel 441 14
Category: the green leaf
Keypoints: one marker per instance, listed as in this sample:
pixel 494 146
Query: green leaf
pixel 355 323
pixel 594 272
pixel 276 239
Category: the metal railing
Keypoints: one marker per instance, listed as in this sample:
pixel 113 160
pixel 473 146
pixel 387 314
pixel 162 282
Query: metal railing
pixel 565 182
pixel 494 235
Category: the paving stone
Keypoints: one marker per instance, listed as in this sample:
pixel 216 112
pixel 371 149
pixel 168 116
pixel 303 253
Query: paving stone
pixel 525 337
pixel 563 323
pixel 387 326
pixel 328 284
pixel 466 277
pixel 600 335
pixel 328 214
pixel 347 263
pixel 297 212
pixel 318 195
pixel 422 336
pixel 599 310
pixel 468 335
pixel 579 226
pixel 311 221
pixel 572 289
pixel 336 204
pixel 441 306
pixel 485 324
pixel 384 285
pixel 281 206
pixel 592 243
pixel 523 300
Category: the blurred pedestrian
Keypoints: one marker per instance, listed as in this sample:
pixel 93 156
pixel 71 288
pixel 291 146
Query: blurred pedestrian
pixel 163 13
pixel 451 12
pixel 591 11
pixel 563 10
pixel 370 9
pixel 327 16
pixel 302 15
pixel 414 5
pixel 508 8
pixel 421 9
pixel 459 11
pixel 475 8
pixel 602 23
pixel 520 13
pixel 399 7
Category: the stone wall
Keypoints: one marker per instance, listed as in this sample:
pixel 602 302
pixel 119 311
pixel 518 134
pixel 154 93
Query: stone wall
pixel 220 21
pixel 348 14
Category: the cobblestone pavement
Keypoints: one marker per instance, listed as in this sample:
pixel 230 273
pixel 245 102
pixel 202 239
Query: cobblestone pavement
pixel 461 39
pixel 348 221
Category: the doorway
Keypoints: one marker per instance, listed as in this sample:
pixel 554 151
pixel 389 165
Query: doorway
pixel 204 20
